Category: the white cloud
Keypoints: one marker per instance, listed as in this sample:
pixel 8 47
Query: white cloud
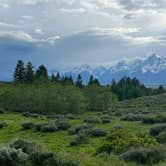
pixel 19 35
pixel 39 31
pixel 3 24
pixel 4 5
pixel 27 17
pixel 74 11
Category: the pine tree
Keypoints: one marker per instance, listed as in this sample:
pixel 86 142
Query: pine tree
pixel 19 74
pixel 79 83
pixel 57 77
pixel 52 77
pixel 160 89
pixel 93 81
pixel 42 73
pixel 71 80
pixel 29 73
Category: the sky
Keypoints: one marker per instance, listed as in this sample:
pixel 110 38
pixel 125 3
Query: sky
pixel 61 33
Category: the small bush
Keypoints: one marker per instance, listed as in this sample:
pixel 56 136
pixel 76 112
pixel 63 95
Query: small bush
pixel 49 128
pixel 90 120
pixel 145 155
pixel 26 114
pixel 70 163
pixel 26 146
pixel 157 129
pixel 161 138
pixel 155 119
pixel 105 119
pixel 51 116
pixel 34 115
pixel 1 111
pixel 43 158
pixel 59 116
pixel 78 129
pixel 118 127
pixel 3 124
pixel 131 117
pixel 120 141
pixel 98 132
pixel 12 157
pixel 27 125
pixel 70 116
pixel 62 125
pixel 81 138
pixel 40 125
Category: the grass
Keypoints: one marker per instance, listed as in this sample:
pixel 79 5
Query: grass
pixel 59 141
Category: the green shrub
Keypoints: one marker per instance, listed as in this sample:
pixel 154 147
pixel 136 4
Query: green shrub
pixel 51 116
pixel 80 128
pixel 161 138
pixel 98 132
pixel 90 120
pixel 3 124
pixel 59 116
pixel 62 125
pixel 131 117
pixel 120 141
pixel 69 163
pixel 1 111
pixel 118 127
pixel 155 119
pixel 145 155
pixel 27 125
pixel 71 116
pixel 157 129
pixel 81 138
pixel 40 125
pixel 26 146
pixel 26 114
pixel 45 158
pixel 12 157
pixel 105 119
pixel 49 128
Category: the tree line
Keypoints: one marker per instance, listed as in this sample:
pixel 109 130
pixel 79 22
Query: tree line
pixel 125 88
pixel 27 74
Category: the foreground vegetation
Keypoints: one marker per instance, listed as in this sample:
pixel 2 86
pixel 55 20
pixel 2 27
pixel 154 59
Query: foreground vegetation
pixel 94 138
pixel 58 122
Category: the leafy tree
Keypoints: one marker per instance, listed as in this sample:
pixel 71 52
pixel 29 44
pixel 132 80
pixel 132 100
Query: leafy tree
pixel 19 74
pixel 79 81
pixel 29 73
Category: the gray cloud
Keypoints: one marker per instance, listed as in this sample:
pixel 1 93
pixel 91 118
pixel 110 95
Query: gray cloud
pixel 58 32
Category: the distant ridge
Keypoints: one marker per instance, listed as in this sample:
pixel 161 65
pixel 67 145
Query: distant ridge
pixel 150 71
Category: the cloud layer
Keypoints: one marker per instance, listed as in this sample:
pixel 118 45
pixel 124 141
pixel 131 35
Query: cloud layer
pixel 59 32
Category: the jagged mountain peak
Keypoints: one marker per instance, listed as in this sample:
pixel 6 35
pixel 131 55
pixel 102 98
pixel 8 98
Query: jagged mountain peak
pixel 149 70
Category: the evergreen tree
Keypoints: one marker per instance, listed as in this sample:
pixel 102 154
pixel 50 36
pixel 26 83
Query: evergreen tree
pixel 29 73
pixel 79 83
pixel 19 74
pixel 57 77
pixel 42 73
pixel 160 89
pixel 53 77
pixel 93 81
pixel 71 80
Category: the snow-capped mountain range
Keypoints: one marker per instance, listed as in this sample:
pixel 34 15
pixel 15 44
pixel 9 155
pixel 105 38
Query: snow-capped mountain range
pixel 151 70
